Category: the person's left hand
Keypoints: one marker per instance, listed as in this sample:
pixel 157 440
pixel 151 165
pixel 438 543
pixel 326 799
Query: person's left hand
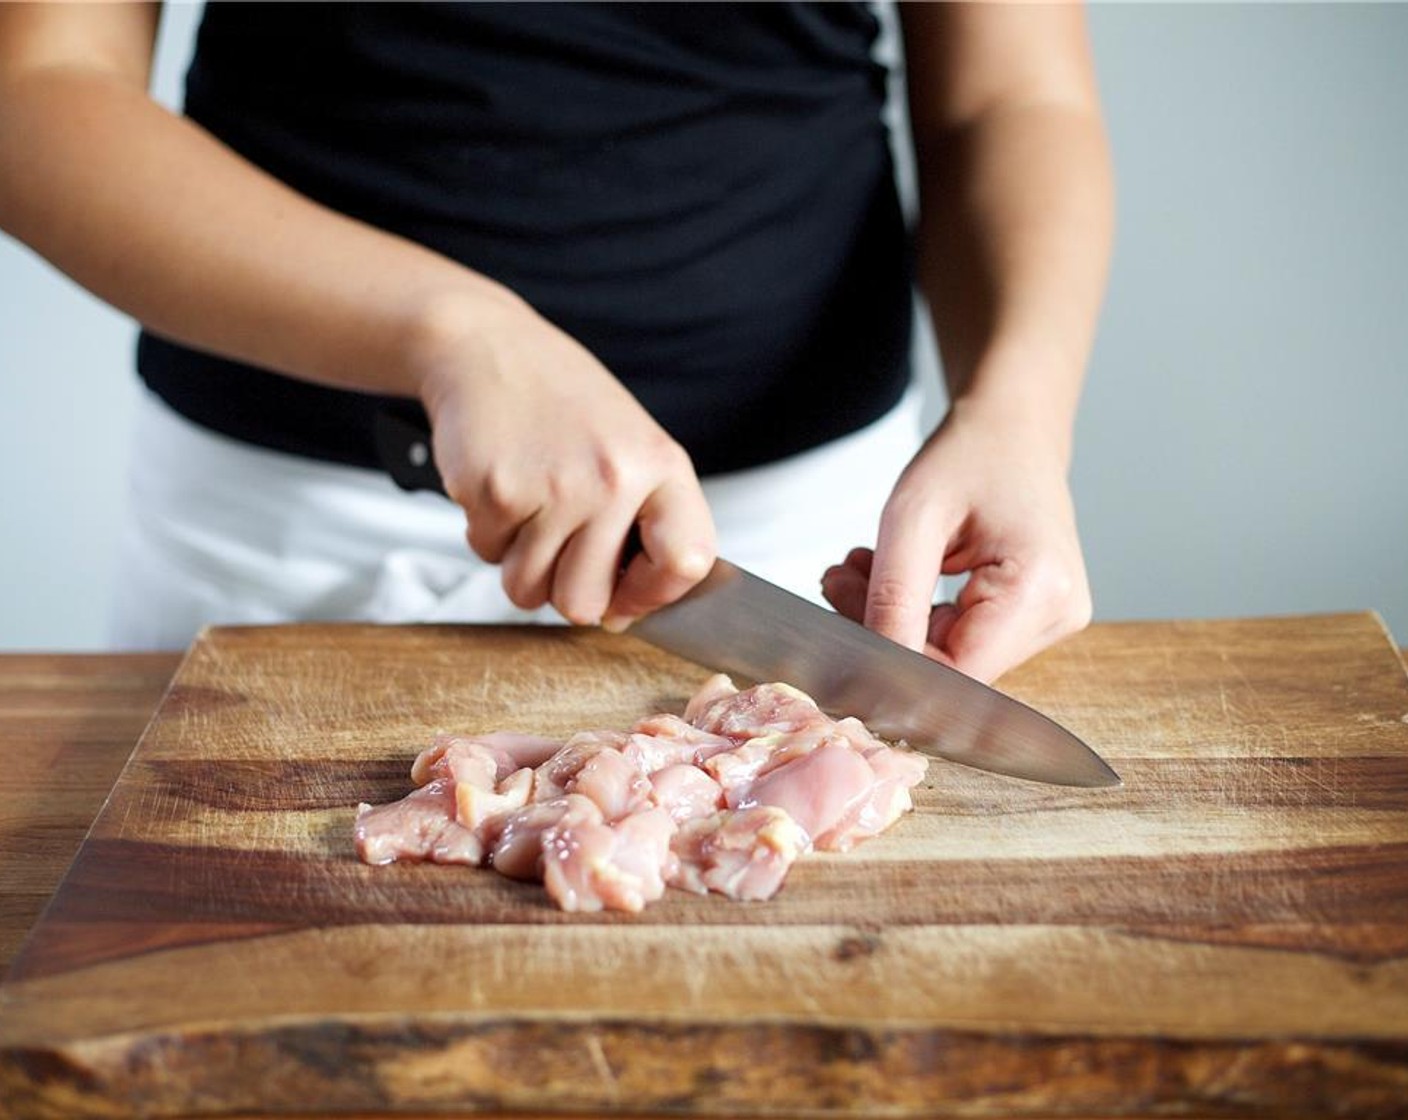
pixel 986 495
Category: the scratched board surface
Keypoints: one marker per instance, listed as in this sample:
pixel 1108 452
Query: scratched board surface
pixel 1225 935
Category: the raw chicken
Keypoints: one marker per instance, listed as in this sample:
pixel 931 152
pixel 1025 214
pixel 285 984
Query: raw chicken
pixel 618 866
pixel 420 826
pixel 744 854
pixel 615 783
pixel 723 800
pixel 508 750
pixel 556 775
pixel 516 849
pixel 685 792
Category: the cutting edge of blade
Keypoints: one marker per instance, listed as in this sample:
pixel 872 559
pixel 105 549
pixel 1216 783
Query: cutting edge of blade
pixel 1091 771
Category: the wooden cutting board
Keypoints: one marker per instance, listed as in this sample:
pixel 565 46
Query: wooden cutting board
pixel 1226 935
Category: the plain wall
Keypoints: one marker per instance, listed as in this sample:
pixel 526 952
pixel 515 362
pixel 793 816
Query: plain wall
pixel 1242 446
pixel 68 391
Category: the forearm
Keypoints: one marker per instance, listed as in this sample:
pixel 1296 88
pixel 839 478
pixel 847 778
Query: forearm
pixel 553 462
pixel 158 218
pixel 1013 246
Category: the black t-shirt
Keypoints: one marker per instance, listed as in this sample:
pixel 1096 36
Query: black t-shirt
pixel 700 194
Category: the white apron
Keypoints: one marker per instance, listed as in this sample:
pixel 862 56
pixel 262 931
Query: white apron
pixel 220 531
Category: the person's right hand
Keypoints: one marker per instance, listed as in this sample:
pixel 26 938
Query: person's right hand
pixel 553 462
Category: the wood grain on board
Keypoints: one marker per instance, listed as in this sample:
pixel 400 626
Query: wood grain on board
pixel 1223 935
pixel 67 724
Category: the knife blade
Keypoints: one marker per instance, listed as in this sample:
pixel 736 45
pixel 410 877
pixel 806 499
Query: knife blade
pixel 742 625
pixel 737 623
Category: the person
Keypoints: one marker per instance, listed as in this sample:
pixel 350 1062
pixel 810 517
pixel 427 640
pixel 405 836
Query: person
pixel 642 267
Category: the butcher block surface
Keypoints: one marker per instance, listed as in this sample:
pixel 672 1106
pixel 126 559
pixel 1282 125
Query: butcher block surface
pixel 1226 935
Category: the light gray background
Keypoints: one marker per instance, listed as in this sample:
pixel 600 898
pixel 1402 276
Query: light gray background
pixel 1242 446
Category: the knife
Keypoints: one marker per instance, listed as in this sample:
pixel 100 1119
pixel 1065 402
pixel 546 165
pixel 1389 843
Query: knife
pixel 740 624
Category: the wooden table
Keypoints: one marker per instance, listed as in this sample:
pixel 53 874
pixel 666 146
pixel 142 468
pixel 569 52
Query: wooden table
pixel 67 725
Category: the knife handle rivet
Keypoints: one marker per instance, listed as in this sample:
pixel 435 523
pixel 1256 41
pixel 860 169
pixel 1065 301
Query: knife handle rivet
pixel 418 454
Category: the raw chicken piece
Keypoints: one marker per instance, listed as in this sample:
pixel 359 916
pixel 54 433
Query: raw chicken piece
pixel 611 780
pixel 739 769
pixel 867 816
pixel 817 789
pixel 516 849
pixel 757 711
pixel 478 770
pixel 743 854
pixel 838 781
pixel 507 750
pixel 418 827
pixel 685 792
pixel 906 767
pixel 554 777
pixel 604 866
pixel 724 800
pixel 477 804
pixel 717 687
pixel 663 740
pixel 835 795
pixel 859 736
pixel 896 773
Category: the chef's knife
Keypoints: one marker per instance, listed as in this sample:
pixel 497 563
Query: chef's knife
pixel 749 628
pixel 740 624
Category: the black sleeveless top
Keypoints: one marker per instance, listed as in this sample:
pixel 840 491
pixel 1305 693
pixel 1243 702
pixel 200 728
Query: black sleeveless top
pixel 700 194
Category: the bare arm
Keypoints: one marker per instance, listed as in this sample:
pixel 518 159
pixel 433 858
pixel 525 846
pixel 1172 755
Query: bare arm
pixel 1016 208
pixel 157 217
pixel 1013 244
pixel 154 215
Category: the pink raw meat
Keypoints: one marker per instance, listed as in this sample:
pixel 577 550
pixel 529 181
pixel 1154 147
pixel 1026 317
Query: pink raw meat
pixel 685 792
pixel 744 854
pixel 508 750
pixel 816 789
pixel 611 780
pixel 618 866
pixel 555 775
pixel 420 826
pixel 476 805
pixel 724 800
pixel 516 849
pixel 663 740
pixel 766 709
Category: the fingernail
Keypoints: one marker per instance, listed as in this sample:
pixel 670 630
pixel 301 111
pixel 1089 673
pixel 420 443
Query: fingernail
pixel 616 623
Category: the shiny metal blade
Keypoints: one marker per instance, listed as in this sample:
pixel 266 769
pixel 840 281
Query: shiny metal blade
pixel 740 624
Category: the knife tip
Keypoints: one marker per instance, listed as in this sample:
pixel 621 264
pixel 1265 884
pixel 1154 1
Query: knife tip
pixel 1105 778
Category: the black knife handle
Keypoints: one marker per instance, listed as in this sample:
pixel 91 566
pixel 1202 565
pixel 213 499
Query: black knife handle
pixel 403 446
